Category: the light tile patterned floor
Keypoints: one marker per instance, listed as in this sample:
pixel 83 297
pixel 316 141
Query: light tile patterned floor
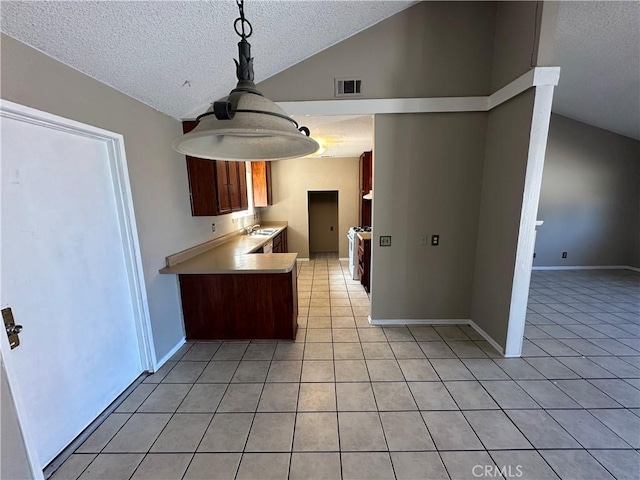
pixel 348 400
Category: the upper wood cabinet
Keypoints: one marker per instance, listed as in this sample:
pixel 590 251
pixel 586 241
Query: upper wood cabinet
pixel 366 184
pixel 216 187
pixel 366 172
pixel 261 177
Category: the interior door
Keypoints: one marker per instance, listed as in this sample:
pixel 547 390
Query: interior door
pixel 64 275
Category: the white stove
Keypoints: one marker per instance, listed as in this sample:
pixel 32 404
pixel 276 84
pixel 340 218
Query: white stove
pixel 353 253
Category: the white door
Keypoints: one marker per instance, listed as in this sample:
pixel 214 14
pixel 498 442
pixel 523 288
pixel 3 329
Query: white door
pixel 65 273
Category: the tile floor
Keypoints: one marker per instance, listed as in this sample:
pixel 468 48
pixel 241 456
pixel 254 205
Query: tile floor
pixel 348 400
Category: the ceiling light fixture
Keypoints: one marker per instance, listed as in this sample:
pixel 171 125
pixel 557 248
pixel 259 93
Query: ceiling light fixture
pixel 245 126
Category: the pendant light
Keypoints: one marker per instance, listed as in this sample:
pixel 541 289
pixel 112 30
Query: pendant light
pixel 245 126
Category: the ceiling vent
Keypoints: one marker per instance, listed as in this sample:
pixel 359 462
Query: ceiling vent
pixel 348 87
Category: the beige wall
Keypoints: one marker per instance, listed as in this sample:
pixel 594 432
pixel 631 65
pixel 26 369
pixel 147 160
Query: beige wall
pixel 323 222
pixel 158 174
pixel 428 177
pixel 434 49
pixel 292 179
pixel 503 182
pixel 590 197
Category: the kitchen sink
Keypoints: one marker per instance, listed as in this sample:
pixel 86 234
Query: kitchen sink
pixel 264 232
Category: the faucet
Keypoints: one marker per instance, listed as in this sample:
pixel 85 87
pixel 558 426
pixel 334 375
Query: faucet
pixel 250 229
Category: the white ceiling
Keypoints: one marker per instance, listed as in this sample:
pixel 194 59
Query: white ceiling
pixel 340 135
pixel 149 49
pixel 598 50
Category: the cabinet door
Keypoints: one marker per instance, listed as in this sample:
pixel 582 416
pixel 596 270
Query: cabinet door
pixel 261 177
pixel 224 193
pixel 367 181
pixel 285 245
pixel 242 185
pixel 277 244
pixel 234 185
pixel 202 187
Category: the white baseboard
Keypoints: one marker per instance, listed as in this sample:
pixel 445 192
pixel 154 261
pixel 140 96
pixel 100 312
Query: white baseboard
pixel 589 267
pixel 417 321
pixel 343 259
pixel 488 338
pixel 171 353
pixel 443 321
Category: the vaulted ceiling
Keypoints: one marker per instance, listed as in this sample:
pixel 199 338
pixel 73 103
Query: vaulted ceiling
pixel 177 56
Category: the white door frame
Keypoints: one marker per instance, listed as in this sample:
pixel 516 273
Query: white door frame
pixel 131 249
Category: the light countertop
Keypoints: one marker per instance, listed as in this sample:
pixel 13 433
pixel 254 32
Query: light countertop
pixel 234 256
pixel 364 235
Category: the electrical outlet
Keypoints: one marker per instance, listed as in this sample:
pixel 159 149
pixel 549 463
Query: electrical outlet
pixel 534 255
pixel 435 240
pixel 213 228
pixel 385 240
pixel 564 254
pixel 423 240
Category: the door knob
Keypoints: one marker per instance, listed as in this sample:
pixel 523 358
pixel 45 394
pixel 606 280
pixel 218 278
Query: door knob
pixel 14 329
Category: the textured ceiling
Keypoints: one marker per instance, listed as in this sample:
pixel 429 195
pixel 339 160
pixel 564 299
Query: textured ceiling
pixel 149 49
pixel 598 50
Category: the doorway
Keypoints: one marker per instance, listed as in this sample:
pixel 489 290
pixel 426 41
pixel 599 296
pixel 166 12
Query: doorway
pixel 323 224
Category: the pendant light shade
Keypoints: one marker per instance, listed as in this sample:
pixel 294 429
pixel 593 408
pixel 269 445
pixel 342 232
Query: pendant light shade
pixel 246 126
pixel 248 136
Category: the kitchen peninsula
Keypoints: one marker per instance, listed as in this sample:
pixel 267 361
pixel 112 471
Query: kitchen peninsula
pixel 229 291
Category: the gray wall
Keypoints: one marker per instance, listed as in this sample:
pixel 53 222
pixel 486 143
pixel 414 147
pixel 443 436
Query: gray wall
pixel 515 42
pixel 14 464
pixel 505 164
pixel 428 177
pixel 590 198
pixel 158 174
pixel 434 49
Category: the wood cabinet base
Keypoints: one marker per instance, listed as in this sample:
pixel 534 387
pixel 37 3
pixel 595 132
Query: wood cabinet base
pixel 240 306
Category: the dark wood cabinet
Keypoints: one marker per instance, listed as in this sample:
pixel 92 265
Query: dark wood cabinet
pixel 364 262
pixel 240 306
pixel 366 185
pixel 215 187
pixel 280 242
pixel 261 177
pixel 231 186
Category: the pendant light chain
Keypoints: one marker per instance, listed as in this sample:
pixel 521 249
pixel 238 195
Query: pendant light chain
pixel 243 21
